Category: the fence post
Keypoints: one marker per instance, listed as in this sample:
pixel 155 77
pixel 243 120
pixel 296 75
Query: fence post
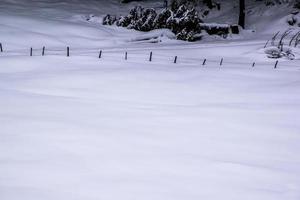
pixel 1 49
pixel 68 51
pixel 175 59
pixel 276 64
pixel 204 62
pixel 221 62
pixel 31 51
pixel 43 52
pixel 150 58
pixel 266 44
pixel 126 55
pixel 253 64
pixel 100 53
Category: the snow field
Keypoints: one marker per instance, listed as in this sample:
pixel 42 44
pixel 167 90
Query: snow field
pixel 80 127
pixel 83 128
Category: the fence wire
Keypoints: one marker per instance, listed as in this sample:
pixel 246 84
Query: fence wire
pixel 142 55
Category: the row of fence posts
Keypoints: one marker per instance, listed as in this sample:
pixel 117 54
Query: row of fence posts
pixel 126 56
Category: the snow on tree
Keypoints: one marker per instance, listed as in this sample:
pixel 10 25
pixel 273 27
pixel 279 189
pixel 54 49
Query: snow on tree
pixel 109 20
pixel 162 17
pixel 183 22
pixel 123 21
pixel 147 20
pixel 181 18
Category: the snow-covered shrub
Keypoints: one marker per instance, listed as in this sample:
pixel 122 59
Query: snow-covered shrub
pixel 183 22
pixel 142 19
pixel 109 20
pixel 182 19
pixel 180 11
pixel 288 53
pixel 187 35
pixel 162 17
pixel 147 20
pixel 291 20
pixel 275 52
pixel 191 20
pixel 123 21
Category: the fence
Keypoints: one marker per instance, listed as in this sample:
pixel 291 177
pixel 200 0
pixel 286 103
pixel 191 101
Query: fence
pixel 127 55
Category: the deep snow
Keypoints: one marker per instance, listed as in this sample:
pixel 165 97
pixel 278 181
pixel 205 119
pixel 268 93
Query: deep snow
pixel 80 127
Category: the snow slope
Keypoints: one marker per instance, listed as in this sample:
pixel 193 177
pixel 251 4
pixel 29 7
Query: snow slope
pixel 80 127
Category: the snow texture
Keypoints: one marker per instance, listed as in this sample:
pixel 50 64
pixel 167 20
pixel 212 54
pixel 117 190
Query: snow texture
pixel 84 128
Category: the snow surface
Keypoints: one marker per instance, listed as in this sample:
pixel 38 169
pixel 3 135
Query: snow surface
pixel 83 128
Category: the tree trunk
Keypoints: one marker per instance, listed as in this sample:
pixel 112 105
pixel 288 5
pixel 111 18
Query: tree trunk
pixel 242 14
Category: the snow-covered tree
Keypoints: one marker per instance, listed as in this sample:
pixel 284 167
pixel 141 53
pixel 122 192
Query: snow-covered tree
pixel 184 22
pixel 109 20
pixel 162 17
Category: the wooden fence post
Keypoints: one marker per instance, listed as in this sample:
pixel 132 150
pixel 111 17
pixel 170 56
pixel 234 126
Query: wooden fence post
pixel 150 58
pixel 1 49
pixel 126 55
pixel 43 52
pixel 31 51
pixel 175 59
pixel 276 64
pixel 221 62
pixel 204 61
pixel 100 53
pixel 68 51
pixel 266 44
pixel 253 64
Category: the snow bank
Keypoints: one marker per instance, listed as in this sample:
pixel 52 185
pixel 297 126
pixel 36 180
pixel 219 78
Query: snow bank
pixel 159 35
